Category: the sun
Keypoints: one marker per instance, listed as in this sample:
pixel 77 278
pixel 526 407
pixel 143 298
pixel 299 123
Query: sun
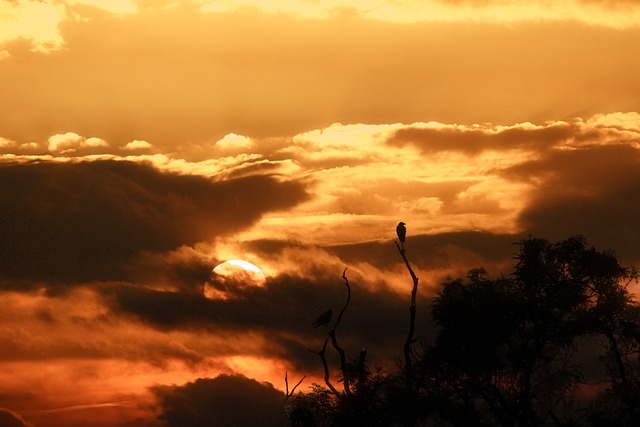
pixel 233 263
pixel 230 278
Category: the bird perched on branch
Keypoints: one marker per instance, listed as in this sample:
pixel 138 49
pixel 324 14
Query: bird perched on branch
pixel 401 231
pixel 323 319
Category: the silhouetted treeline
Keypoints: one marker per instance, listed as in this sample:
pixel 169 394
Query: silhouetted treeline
pixel 557 343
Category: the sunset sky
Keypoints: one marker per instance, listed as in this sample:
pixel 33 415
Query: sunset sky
pixel 145 142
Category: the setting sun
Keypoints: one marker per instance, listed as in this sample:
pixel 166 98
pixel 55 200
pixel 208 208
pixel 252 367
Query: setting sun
pixel 231 276
pixel 228 267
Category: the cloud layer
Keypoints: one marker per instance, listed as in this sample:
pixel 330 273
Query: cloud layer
pixel 74 222
pixel 176 75
pixel 224 401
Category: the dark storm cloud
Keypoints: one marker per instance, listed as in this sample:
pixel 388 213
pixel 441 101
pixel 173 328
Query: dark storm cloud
pixel 224 401
pixel 182 269
pixel 594 192
pixel 70 222
pixel 474 140
pixel 283 311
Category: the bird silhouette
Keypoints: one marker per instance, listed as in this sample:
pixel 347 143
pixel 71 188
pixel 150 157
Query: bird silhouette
pixel 323 319
pixel 401 231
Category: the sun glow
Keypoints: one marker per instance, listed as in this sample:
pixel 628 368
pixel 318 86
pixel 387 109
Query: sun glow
pixel 232 276
pixel 245 265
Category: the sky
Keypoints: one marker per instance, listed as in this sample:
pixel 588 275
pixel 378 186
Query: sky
pixel 145 142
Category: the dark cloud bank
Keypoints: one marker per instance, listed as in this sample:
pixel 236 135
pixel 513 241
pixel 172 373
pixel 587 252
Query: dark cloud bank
pixel 224 401
pixel 283 311
pixel 594 192
pixel 74 222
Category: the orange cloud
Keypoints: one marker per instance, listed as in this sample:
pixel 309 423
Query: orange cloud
pixel 71 142
pixel 34 21
pixel 232 141
pixel 272 75
pixel 137 145
pixel 39 22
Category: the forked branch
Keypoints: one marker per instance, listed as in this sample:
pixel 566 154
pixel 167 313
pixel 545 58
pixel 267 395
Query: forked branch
pixel 334 341
pixel 325 365
pixel 286 385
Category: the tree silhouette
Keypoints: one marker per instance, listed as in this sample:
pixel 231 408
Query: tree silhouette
pixel 557 343
pixel 507 350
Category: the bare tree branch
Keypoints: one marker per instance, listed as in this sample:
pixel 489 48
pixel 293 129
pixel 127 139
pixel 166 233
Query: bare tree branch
pixel 286 384
pixel 412 322
pixel 334 341
pixel 346 381
pixel 325 365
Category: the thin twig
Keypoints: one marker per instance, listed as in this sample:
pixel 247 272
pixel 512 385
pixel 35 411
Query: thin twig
pixel 286 383
pixel 341 352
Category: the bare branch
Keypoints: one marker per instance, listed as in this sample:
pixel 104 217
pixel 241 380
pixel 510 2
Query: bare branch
pixel 325 365
pixel 286 383
pixel 332 333
pixel 346 283
pixel 336 346
pixel 412 321
pixel 293 390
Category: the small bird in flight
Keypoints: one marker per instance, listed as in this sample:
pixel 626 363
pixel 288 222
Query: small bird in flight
pixel 323 319
pixel 401 231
